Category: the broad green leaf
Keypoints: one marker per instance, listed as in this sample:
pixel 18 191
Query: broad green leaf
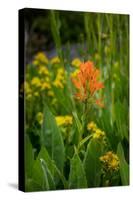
pixel 43 172
pixel 29 157
pixel 51 138
pixel 48 176
pixel 92 164
pixel 124 167
pixel 77 178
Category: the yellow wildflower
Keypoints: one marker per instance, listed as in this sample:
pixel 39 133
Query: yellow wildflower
pixel 58 84
pixel 98 134
pixel 45 85
pixel 76 62
pixel 41 57
pixel 47 79
pixel 36 82
pixel 91 126
pixel 39 117
pixel 55 60
pixel 60 78
pixel 35 62
pixel 110 161
pixel 27 88
pixel 43 70
pixel 74 74
pixel 63 120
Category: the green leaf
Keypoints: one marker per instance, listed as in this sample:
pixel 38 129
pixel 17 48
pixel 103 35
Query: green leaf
pixel 52 139
pixel 29 157
pixel 124 167
pixel 121 119
pixel 43 172
pixel 48 176
pixel 92 163
pixel 77 178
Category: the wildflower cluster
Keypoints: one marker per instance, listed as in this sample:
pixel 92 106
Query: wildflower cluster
pixel 97 133
pixel 110 161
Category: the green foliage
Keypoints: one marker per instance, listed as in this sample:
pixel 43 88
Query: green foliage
pixel 92 163
pixel 77 178
pixel 124 167
pixel 52 139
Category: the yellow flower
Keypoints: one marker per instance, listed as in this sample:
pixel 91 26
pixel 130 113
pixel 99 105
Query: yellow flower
pixel 36 82
pixel 74 74
pixel 91 126
pixel 55 60
pixel 60 78
pixel 58 84
pixel 63 120
pixel 41 57
pixel 76 62
pixel 39 117
pixel 27 88
pixel 45 85
pixel 110 161
pixel 43 70
pixel 35 62
pixel 98 134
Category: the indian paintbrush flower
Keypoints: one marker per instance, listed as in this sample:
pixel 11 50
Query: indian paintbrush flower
pixel 86 82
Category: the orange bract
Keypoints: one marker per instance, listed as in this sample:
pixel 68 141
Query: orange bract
pixel 87 82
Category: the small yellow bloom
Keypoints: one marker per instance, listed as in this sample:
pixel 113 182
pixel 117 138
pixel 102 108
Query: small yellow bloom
pixel 27 88
pixel 36 82
pixel 39 117
pixel 55 60
pixel 45 86
pixel 41 57
pixel 63 120
pixel 35 62
pixel 98 134
pixel 58 84
pixel 91 126
pixel 76 62
pixel 110 161
pixel 60 78
pixel 74 74
pixel 43 70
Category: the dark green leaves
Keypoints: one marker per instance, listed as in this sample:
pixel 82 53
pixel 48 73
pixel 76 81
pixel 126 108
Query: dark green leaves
pixel 77 178
pixel 92 164
pixel 51 138
pixel 124 168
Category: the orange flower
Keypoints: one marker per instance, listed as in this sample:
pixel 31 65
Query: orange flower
pixel 87 82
